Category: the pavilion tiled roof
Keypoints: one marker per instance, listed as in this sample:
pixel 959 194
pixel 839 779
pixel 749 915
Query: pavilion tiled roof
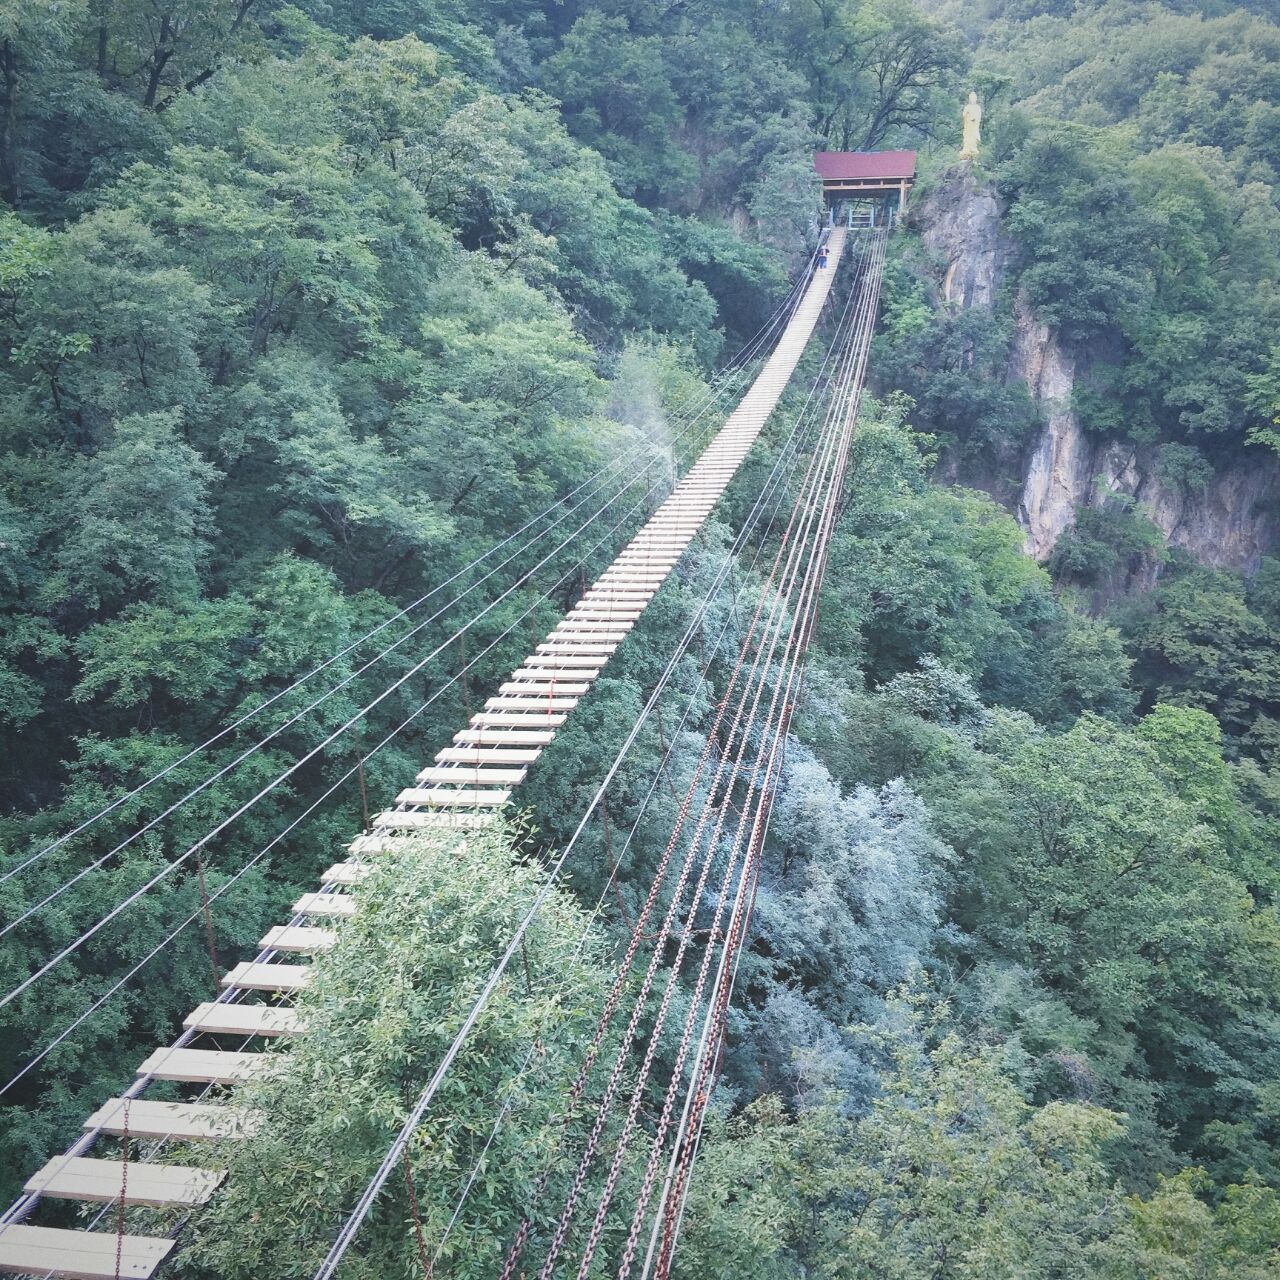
pixel 834 165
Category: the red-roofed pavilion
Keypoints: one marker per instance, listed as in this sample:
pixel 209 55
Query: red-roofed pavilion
pixel 865 175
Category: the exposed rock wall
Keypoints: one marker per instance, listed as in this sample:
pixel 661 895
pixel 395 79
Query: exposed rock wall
pixel 1232 524
pixel 962 228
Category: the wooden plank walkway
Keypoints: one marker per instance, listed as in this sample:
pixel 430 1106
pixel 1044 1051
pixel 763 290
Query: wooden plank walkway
pixel 463 789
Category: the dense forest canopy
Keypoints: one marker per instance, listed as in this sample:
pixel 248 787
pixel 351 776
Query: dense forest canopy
pixel 307 306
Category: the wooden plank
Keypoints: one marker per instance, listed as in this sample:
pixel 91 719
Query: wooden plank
pixel 505 737
pixel 223 1018
pixel 564 662
pixel 184 1121
pixel 101 1181
pixel 203 1066
pixel 538 682
pixel 474 776
pixel 347 872
pixel 606 632
pixel 253 975
pixel 296 937
pixel 463 798
pixel 533 701
pixel 375 846
pixel 638 574
pixel 79 1255
pixel 592 626
pixel 423 821
pixel 324 904
pixel 488 755
pixel 579 646
pixel 553 656
pixel 515 720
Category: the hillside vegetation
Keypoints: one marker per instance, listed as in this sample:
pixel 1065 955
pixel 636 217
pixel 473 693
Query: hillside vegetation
pixel 306 306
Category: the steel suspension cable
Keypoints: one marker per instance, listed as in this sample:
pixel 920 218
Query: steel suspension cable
pixel 688 708
pixel 718 1002
pixel 715 1023
pixel 194 849
pixel 22 1205
pixel 664 864
pixel 663 766
pixel 779 608
pixel 352 1225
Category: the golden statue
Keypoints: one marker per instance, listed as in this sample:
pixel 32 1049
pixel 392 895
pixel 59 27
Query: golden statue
pixel 972 127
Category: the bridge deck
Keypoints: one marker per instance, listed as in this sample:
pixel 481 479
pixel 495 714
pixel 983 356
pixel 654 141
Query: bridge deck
pixel 514 728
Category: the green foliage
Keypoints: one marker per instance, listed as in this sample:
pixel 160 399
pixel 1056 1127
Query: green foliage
pixel 1264 398
pixel 284 345
pixel 304 307
pixel 940 571
pixel 1184 468
pixel 1117 874
pixel 951 364
pixel 1077 222
pixel 143 519
pixel 949 1173
pixel 1202 638
pixel 1106 544
pixel 1179 1235
pixel 1140 168
pixel 384 1006
pixel 874 67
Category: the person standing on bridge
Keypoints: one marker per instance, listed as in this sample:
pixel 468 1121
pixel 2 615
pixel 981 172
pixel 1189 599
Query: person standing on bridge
pixel 822 255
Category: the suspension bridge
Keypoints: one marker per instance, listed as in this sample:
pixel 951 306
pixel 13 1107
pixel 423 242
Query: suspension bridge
pixel 700 896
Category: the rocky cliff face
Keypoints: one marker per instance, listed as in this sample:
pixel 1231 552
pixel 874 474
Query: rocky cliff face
pixel 1231 524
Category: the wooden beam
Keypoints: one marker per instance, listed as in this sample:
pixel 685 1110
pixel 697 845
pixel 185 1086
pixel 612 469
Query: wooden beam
pixel 80 1255
pixel 240 1019
pixel 102 1181
pixel 184 1121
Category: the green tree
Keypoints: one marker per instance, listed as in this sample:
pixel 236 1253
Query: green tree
pixel 143 519
pixel 1198 642
pixel 1112 881
pixel 382 1010
pixel 950 1173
